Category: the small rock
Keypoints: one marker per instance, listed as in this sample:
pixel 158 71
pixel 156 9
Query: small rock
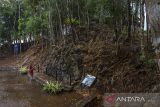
pixel 68 88
pixel 74 83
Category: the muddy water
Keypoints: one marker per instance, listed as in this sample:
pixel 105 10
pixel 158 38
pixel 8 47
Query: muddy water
pixel 17 91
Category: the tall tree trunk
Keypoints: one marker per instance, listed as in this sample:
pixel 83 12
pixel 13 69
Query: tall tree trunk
pixel 60 21
pixel 129 20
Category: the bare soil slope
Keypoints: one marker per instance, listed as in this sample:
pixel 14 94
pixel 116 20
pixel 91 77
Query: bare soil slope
pixel 118 68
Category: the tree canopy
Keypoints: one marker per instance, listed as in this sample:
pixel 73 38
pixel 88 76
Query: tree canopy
pixel 21 19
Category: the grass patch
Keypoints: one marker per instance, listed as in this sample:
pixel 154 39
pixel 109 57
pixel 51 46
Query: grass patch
pixel 52 87
pixel 23 70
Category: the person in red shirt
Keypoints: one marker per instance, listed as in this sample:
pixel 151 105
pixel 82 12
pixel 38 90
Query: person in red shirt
pixel 31 73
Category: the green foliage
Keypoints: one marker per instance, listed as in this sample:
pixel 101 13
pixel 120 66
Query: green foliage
pixel 150 63
pixel 142 57
pixel 71 21
pixel 20 18
pixel 21 26
pixel 8 19
pixel 147 61
pixel 23 70
pixel 33 25
pixel 52 87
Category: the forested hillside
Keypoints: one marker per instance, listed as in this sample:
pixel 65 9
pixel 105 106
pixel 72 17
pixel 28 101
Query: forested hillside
pixel 110 39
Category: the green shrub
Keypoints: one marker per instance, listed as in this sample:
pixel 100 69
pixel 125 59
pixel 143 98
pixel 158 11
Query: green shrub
pixel 150 63
pixel 142 57
pixel 52 87
pixel 71 21
pixel 23 70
